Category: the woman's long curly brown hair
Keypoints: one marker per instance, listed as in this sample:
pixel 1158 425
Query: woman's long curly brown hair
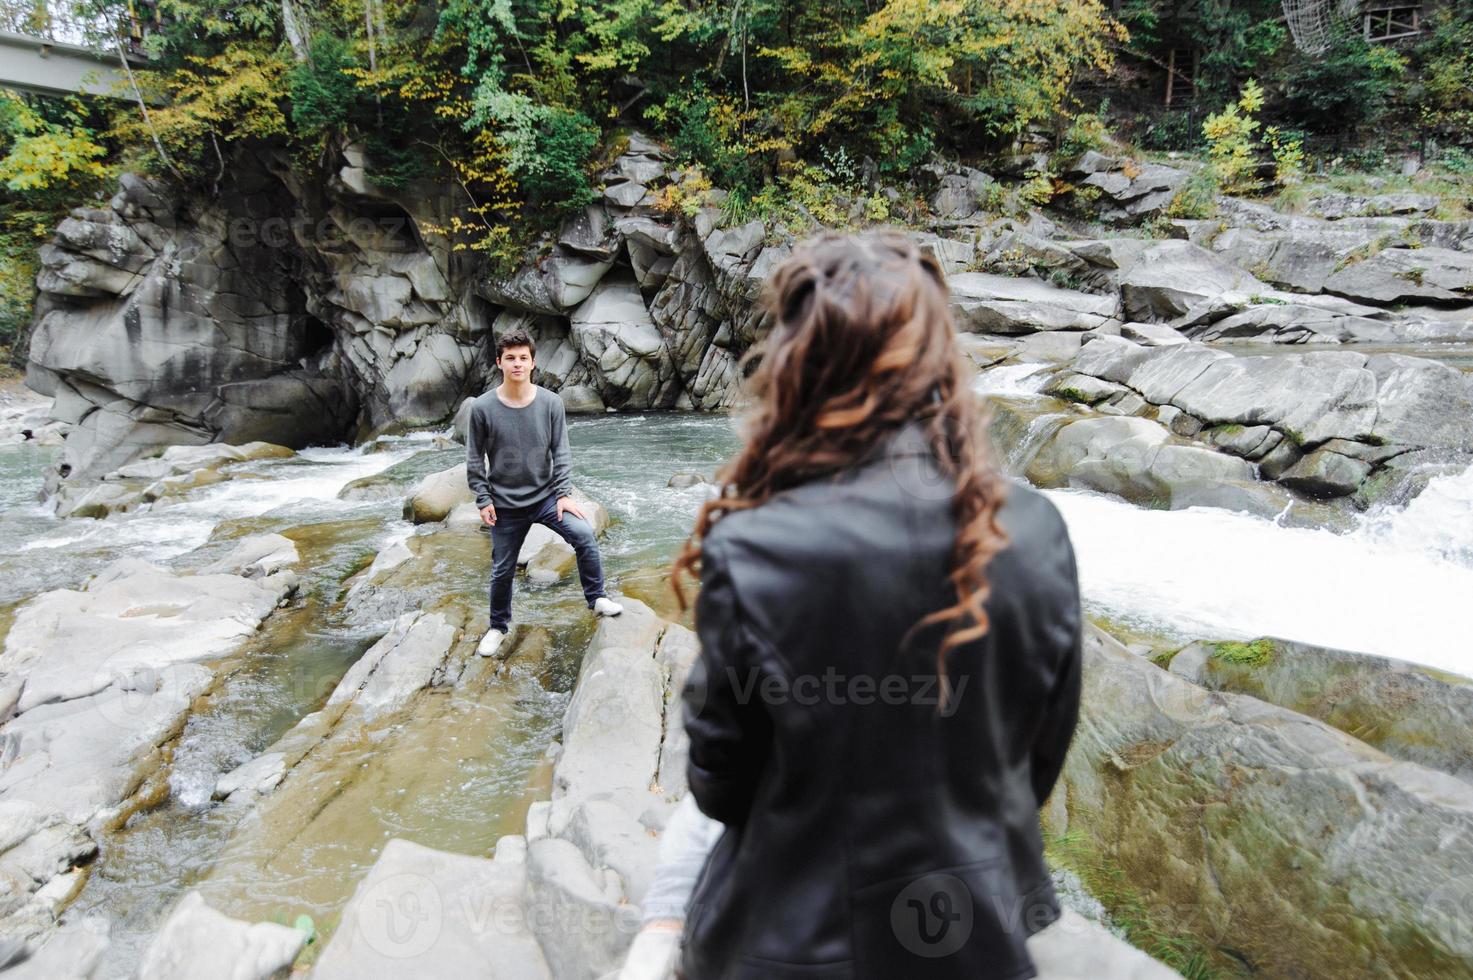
pixel 862 342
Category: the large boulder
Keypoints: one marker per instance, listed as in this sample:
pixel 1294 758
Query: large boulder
pixel 1129 191
pixel 1403 275
pixel 962 193
pixel 1311 397
pixel 1404 709
pixel 1421 402
pixel 197 941
pixel 191 337
pixel 1334 206
pixel 1290 847
pixel 1326 473
pixel 1344 418
pixel 1297 323
pixel 426 383
pixel 463 917
pixel 435 496
pixel 256 556
pixel 1166 280
pixel 985 303
pixel 1134 458
pixel 621 345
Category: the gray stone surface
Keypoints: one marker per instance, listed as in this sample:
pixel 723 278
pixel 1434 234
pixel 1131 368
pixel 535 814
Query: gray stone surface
pixel 1130 191
pixel 1421 402
pixel 435 496
pixel 133 617
pixel 404 661
pixel 986 303
pixel 1169 278
pixel 1321 395
pixel 426 913
pixel 197 941
pixel 621 344
pixel 566 897
pixel 1400 275
pixel 1134 458
pixel 1324 473
pixel 256 556
pixel 96 682
pixel 74 951
pixel 1339 415
pixel 1406 710
pixel 1290 846
pixel 171 344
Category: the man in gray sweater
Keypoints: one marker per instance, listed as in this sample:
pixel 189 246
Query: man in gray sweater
pixel 520 468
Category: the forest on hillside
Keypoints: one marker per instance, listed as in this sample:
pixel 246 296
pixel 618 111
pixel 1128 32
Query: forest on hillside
pixel 519 102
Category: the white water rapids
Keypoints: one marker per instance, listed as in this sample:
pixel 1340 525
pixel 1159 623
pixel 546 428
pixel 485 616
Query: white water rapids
pixel 1391 586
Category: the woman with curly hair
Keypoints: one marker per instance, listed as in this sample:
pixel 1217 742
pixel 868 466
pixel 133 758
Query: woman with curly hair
pixel 890 649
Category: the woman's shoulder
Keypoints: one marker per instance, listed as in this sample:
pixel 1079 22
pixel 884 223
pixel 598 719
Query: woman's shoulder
pixel 1025 503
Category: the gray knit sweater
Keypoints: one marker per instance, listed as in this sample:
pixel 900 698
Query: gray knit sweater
pixel 527 450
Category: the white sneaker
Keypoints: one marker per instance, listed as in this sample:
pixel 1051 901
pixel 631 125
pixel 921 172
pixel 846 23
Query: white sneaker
pixel 604 606
pixel 490 642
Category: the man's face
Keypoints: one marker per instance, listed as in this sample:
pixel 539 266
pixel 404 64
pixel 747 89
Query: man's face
pixel 516 363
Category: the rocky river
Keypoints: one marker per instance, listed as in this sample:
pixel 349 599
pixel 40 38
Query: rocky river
pixel 238 677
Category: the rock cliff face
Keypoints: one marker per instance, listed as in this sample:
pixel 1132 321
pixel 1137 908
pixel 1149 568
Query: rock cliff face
pixel 296 311
pixel 320 310
pixel 159 324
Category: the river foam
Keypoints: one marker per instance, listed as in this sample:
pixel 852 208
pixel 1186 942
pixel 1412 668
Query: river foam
pixel 1392 587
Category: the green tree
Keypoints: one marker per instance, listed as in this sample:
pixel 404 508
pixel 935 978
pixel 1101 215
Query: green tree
pixel 1347 87
pixel 1442 97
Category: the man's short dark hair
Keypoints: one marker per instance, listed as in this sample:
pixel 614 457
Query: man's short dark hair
pixel 514 338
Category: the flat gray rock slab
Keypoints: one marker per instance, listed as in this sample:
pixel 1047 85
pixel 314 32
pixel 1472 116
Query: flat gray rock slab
pixel 426 913
pixel 134 617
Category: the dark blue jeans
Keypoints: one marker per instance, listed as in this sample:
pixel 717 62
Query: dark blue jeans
pixel 507 535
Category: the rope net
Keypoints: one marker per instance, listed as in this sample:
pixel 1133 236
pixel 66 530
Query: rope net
pixel 1317 24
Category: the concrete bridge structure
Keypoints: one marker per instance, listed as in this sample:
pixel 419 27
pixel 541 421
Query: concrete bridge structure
pixel 46 66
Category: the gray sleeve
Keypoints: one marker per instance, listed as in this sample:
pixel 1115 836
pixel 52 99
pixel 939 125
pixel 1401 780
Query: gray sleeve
pixel 688 838
pixel 477 443
pixel 562 455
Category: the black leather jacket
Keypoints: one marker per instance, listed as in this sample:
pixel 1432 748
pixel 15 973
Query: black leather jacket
pixel 867 836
